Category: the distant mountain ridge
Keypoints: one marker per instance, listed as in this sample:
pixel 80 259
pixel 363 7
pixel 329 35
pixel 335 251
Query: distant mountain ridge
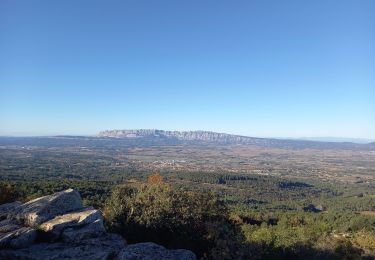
pixel 181 135
pixel 222 138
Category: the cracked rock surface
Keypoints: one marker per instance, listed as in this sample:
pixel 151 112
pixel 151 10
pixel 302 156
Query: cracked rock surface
pixel 57 226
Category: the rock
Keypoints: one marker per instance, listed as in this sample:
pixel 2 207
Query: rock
pixel 74 221
pixel 313 208
pixel 8 208
pixel 93 229
pixel 58 227
pixel 39 210
pixel 18 238
pixel 8 225
pixel 105 247
pixel 152 251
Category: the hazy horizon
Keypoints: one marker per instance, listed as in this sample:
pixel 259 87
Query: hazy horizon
pixel 285 69
pixel 308 138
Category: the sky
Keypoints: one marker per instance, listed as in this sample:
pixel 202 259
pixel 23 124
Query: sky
pixel 259 68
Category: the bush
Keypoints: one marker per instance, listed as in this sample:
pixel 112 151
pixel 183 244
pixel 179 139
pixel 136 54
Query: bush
pixel 176 218
pixel 9 193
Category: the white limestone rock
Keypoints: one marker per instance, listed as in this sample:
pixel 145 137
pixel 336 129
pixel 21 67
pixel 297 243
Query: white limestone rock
pixel 39 210
pixel 19 238
pixel 8 208
pixel 152 251
pixel 75 235
pixel 8 225
pixel 75 220
pixel 101 248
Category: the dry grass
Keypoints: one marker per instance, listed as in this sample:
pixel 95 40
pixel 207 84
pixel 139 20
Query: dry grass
pixel 368 213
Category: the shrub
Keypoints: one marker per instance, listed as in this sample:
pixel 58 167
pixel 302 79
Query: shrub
pixel 9 193
pixel 176 218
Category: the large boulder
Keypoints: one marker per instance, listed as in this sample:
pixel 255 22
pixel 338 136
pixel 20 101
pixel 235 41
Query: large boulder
pixel 104 247
pixel 8 208
pixel 88 220
pixel 152 251
pixel 39 210
pixel 94 229
pixel 19 238
pixel 8 225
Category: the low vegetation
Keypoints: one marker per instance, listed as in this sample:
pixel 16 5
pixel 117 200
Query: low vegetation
pixel 217 217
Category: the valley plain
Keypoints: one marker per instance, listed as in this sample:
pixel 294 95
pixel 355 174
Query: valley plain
pixel 94 157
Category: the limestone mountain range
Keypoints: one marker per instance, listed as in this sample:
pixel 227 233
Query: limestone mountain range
pixel 223 138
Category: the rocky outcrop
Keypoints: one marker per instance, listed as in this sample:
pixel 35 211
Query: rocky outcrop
pixel 42 209
pixel 18 238
pixel 8 207
pixel 152 251
pixel 73 226
pixel 59 227
pixel 103 247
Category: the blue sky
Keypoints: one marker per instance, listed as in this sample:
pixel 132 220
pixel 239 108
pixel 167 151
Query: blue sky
pixel 259 68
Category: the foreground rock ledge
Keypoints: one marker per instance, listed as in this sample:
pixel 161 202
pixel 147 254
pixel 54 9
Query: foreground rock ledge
pixel 57 226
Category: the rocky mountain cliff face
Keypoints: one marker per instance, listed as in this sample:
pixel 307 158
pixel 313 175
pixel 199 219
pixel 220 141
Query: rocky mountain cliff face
pixel 222 138
pixel 183 135
pixel 59 227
